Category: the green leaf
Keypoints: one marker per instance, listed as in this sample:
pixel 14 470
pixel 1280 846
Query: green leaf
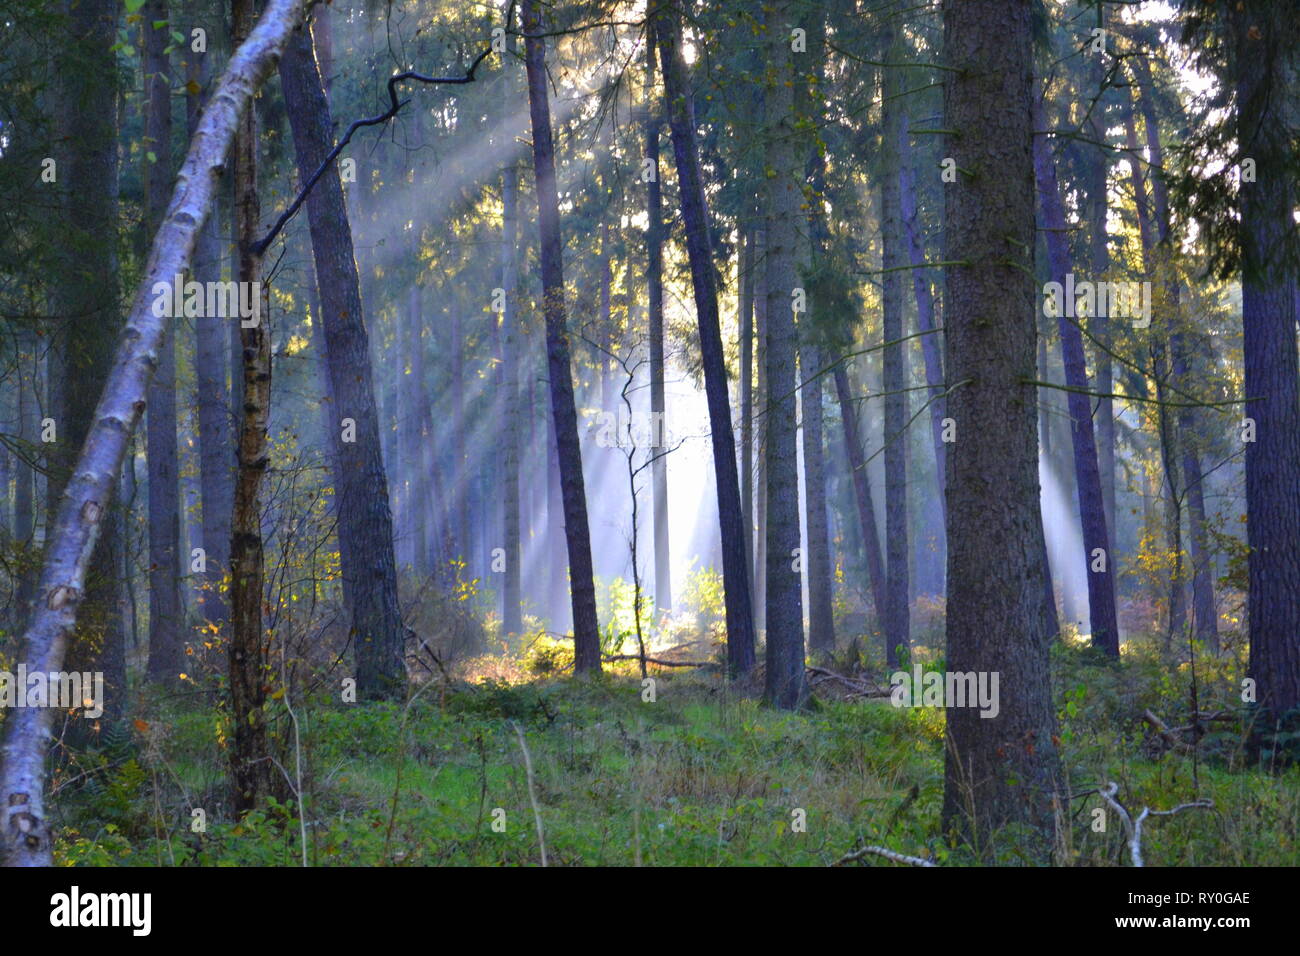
pixel 133 5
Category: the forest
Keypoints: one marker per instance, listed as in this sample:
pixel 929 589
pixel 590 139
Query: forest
pixel 649 433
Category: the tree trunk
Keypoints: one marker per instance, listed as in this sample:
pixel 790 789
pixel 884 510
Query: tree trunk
pixel 166 619
pixel 655 290
pixel 759 519
pixel 681 116
pixel 1096 172
pixel 821 569
pixel 897 616
pixel 511 597
pixel 746 462
pixel 931 344
pixel 1005 769
pixel 1203 604
pixel 1096 540
pixel 211 366
pixel 249 769
pixel 820 564
pixel 87 297
pixel 784 600
pixel 582 590
pixel 861 491
pixel 1262 35
pixel 365 526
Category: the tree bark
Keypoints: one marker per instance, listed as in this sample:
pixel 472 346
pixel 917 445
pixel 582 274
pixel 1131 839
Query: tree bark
pixel 511 597
pixel 211 366
pixel 820 563
pixel 1101 580
pixel 897 618
pixel 655 292
pixel 861 491
pixel 166 618
pixel 1005 769
pixel 582 590
pixel 681 117
pixel 1262 35
pixel 365 526
pixel 1204 610
pixel 784 683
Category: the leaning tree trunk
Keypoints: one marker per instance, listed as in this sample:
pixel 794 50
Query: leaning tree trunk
pixel 77 526
pixel 582 590
pixel 1100 562
pixel 681 118
pixel 166 617
pixel 365 525
pixel 999 770
pixel 861 490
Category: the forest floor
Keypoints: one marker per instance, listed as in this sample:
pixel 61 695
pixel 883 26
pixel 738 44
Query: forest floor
pixel 702 775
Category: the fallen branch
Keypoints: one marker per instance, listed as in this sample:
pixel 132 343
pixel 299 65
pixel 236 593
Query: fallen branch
pixel 612 658
pixel 891 855
pixel 859 688
pixel 1167 735
pixel 1134 827
pixel 395 106
pixel 532 793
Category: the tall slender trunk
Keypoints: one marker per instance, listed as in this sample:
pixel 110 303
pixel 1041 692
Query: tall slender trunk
pixel 746 458
pixel 759 519
pixel 511 598
pixel 861 491
pixel 211 366
pixel 655 292
pixel 25 475
pixel 1204 610
pixel 1097 555
pixel 87 295
pixel 681 117
pixel 250 776
pixel 821 610
pixel 820 564
pixel 897 620
pixel 931 343
pixel 1153 237
pixel 166 618
pixel 784 685
pixel 365 526
pixel 1096 173
pixel 582 590
pixel 999 770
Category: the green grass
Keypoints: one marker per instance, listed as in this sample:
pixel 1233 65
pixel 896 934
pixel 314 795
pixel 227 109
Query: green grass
pixel 701 776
